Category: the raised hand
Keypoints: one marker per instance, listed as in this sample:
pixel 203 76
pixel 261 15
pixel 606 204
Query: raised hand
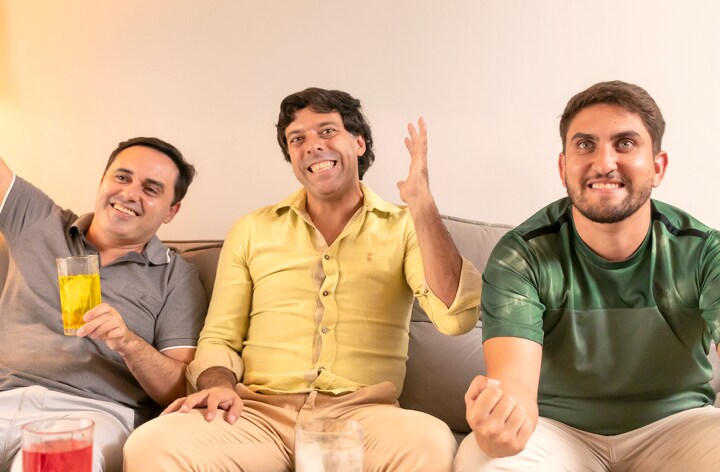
pixel 417 185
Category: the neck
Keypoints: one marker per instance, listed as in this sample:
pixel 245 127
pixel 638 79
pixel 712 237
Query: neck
pixel 331 216
pixel 108 249
pixel 614 241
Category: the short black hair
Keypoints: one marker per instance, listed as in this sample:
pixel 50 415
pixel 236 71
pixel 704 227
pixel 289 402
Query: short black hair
pixel 186 171
pixel 328 101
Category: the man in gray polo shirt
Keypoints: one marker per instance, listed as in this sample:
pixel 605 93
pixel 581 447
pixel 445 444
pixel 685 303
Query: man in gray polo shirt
pixel 132 353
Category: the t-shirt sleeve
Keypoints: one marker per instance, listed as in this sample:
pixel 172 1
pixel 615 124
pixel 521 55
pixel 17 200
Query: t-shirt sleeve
pixel 710 285
pixel 24 206
pixel 183 313
pixel 510 302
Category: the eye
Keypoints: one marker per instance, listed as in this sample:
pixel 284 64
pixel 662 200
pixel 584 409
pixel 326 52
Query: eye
pixel 585 145
pixel 122 178
pixel 328 131
pixel 295 140
pixel 625 144
pixel 152 191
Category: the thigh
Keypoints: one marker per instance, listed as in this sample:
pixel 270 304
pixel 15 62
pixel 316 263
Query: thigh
pixel 406 440
pixel 113 423
pixel 553 447
pixel 687 441
pixel 186 441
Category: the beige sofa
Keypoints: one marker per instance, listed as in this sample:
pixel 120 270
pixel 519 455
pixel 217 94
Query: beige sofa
pixel 439 368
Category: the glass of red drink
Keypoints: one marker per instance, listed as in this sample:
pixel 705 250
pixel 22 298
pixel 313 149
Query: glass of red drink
pixel 54 445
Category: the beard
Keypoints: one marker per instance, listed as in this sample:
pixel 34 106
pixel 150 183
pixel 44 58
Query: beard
pixel 607 212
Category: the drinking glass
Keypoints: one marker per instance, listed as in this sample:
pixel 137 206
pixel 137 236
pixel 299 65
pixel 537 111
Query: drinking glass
pixel 328 445
pixel 79 280
pixel 54 445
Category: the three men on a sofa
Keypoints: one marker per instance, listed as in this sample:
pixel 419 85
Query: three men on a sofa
pixel 311 309
pixel 598 313
pixel 132 353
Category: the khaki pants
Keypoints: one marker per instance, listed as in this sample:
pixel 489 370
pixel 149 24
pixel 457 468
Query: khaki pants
pixel 685 442
pixel 262 439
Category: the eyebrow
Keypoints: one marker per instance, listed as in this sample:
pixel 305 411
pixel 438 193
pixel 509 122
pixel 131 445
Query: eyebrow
pixel 319 125
pixel 154 182
pixel 614 137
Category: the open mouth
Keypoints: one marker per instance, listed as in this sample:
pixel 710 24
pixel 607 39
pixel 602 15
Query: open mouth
pixel 123 209
pixel 606 185
pixel 323 166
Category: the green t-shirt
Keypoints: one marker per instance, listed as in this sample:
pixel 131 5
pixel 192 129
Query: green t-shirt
pixel 624 343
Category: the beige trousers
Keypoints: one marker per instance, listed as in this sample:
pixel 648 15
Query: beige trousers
pixel 262 439
pixel 685 442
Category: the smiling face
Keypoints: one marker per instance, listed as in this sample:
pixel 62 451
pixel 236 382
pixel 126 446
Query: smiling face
pixel 608 166
pixel 324 156
pixel 135 197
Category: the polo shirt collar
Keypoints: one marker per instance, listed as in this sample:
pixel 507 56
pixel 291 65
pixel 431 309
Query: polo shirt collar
pixel 371 201
pixel 155 251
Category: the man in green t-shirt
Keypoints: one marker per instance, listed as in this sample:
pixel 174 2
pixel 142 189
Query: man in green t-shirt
pixel 599 312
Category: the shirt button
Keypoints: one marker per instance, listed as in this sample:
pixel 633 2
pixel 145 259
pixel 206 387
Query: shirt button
pixel 324 330
pixel 325 293
pixel 327 258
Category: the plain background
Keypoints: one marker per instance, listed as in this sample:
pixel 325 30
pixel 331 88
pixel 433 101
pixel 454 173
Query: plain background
pixel 491 77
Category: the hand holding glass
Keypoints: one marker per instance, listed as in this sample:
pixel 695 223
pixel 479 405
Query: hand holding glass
pixel 79 279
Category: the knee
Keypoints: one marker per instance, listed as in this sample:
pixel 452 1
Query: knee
pixel 148 445
pixel 429 447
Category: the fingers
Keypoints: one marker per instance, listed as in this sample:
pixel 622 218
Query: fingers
pixel 174 406
pixel 479 384
pixel 417 142
pixel 234 411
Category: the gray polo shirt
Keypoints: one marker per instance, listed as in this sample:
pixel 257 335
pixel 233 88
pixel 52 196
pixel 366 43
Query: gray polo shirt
pixel 157 293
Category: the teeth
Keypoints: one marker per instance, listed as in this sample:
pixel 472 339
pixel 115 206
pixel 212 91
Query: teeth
pixel 605 186
pixel 127 211
pixel 321 166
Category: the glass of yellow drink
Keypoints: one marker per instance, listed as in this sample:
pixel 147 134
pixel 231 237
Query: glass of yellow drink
pixel 79 279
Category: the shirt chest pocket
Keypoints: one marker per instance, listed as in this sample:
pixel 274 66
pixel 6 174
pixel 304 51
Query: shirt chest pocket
pixel 138 305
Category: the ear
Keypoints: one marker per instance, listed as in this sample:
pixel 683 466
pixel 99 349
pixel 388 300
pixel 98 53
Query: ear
pixel 660 162
pixel 171 213
pixel 360 145
pixel 561 168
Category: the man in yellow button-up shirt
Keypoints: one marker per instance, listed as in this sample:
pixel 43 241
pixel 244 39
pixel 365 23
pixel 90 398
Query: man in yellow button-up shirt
pixel 311 310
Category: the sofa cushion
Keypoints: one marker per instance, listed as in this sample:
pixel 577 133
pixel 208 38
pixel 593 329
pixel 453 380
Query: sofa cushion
pixel 440 368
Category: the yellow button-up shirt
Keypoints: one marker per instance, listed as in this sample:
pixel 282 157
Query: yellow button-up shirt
pixel 291 314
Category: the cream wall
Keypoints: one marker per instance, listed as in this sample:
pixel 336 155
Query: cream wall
pixel 491 78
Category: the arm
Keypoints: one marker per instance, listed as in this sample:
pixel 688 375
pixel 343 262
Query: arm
pixel 217 366
pixel 503 417
pixel 440 257
pixel 6 176
pixel 160 374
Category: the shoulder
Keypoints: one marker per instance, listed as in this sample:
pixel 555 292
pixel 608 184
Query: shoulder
pixel 679 223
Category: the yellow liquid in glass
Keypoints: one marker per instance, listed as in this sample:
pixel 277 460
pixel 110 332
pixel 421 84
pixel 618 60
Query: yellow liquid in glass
pixel 78 293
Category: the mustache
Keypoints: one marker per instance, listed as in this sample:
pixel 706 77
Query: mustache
pixel 614 175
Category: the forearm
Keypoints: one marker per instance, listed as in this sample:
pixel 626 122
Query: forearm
pixel 441 260
pixel 6 176
pixel 162 377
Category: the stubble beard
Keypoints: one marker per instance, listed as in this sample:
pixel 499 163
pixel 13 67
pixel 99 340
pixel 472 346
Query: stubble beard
pixel 606 212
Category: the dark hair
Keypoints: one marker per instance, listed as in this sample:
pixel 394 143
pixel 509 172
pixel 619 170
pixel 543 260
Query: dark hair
pixel 629 96
pixel 186 171
pixel 328 101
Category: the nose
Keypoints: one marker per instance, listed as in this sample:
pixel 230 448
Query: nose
pixel 313 143
pixel 605 160
pixel 130 192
